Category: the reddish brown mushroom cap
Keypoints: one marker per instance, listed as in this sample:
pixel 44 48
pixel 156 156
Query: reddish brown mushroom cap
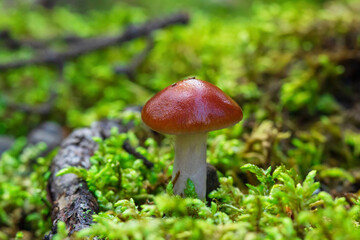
pixel 190 106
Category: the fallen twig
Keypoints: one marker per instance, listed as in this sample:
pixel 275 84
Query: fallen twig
pixel 88 45
pixel 128 148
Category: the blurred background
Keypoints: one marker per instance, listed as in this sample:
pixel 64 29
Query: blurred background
pixel 293 66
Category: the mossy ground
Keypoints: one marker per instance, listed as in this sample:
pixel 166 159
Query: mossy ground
pixel 290 170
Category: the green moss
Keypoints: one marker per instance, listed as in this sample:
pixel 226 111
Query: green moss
pixel 280 206
pixel 290 66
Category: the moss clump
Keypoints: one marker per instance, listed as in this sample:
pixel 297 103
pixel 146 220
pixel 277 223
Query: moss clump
pixel 280 206
pixel 23 202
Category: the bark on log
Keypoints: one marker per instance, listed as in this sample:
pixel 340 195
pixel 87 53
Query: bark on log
pixel 72 202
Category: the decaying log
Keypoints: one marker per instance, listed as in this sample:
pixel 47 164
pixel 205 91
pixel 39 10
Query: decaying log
pixel 72 202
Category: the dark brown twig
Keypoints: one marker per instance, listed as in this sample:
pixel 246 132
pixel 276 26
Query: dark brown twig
pixel 88 45
pixel 175 178
pixel 128 148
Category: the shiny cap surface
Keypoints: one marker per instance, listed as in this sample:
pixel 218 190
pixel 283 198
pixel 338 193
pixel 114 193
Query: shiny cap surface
pixel 190 106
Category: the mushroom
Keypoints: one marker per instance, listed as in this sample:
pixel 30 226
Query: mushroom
pixel 189 109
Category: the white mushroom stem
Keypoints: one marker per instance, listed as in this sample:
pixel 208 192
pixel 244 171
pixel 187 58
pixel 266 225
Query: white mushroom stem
pixel 190 162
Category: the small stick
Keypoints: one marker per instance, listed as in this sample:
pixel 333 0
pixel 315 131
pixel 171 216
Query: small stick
pixel 175 178
pixel 128 148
